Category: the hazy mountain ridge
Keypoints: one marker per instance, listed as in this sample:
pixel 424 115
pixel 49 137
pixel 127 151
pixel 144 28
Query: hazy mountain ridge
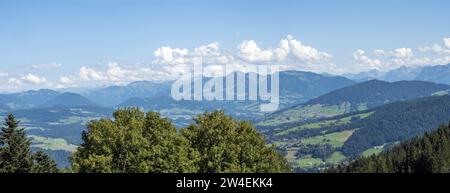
pixel 433 73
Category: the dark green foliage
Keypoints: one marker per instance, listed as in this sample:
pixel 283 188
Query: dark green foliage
pixel 61 157
pixel 144 142
pixel 429 154
pixel 133 142
pixel 42 163
pixel 321 151
pixel 15 151
pixel 15 154
pixel 226 145
pixel 397 122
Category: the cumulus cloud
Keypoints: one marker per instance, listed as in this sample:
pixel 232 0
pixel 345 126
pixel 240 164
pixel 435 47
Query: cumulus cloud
pixel 437 48
pixel 250 51
pixel 447 42
pixel 304 52
pixel 168 55
pixel 360 57
pixel 117 74
pixel 33 79
pixel 397 53
pixel 14 82
pixel 288 47
pixel 90 74
pixel 290 53
pixel 385 60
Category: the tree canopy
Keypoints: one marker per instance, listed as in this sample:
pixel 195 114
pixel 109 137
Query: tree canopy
pixel 135 141
pixel 15 151
pixel 227 145
pixel 428 154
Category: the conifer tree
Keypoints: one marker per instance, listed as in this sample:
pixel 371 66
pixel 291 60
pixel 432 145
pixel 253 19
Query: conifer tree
pixel 42 163
pixel 15 153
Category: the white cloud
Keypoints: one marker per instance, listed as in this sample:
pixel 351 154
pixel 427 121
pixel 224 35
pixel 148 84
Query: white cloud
pixel 402 53
pixel 447 42
pixel 289 54
pixel 14 81
pixel 170 55
pixel 44 66
pixel 288 47
pixel 211 49
pixel 438 49
pixel 115 74
pixel 90 74
pixel 360 57
pixel 397 53
pixel 385 60
pixel 33 79
pixel 66 80
pixel 250 51
pixel 304 52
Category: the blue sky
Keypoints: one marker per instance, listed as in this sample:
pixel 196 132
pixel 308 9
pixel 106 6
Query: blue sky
pixel 46 43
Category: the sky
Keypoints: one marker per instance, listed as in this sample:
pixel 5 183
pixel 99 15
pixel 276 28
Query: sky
pixel 86 43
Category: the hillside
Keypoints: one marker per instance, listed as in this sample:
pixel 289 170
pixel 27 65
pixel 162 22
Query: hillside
pixel 360 133
pixel 295 87
pixel 354 98
pixel 68 100
pixel 26 99
pixel 427 154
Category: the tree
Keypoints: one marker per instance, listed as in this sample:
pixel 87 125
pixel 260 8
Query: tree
pixel 42 163
pixel 15 154
pixel 428 154
pixel 133 142
pixel 226 145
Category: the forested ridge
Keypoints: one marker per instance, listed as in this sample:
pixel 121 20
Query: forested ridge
pixel 427 154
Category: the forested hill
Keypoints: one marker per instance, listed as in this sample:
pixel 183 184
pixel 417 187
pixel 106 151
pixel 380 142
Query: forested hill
pixel 353 98
pixel 428 154
pixel 376 92
pixel 397 122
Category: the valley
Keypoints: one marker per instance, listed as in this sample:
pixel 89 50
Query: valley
pixel 314 129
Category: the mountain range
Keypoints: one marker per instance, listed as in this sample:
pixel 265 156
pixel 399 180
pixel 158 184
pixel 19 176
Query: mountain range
pixel 433 73
pixel 324 118
pixel 56 119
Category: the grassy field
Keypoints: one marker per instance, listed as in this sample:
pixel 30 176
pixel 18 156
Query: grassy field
pixel 308 162
pixel 334 139
pixel 307 112
pixel 52 143
pixel 326 123
pixel 73 120
pixel 373 151
pixel 336 158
